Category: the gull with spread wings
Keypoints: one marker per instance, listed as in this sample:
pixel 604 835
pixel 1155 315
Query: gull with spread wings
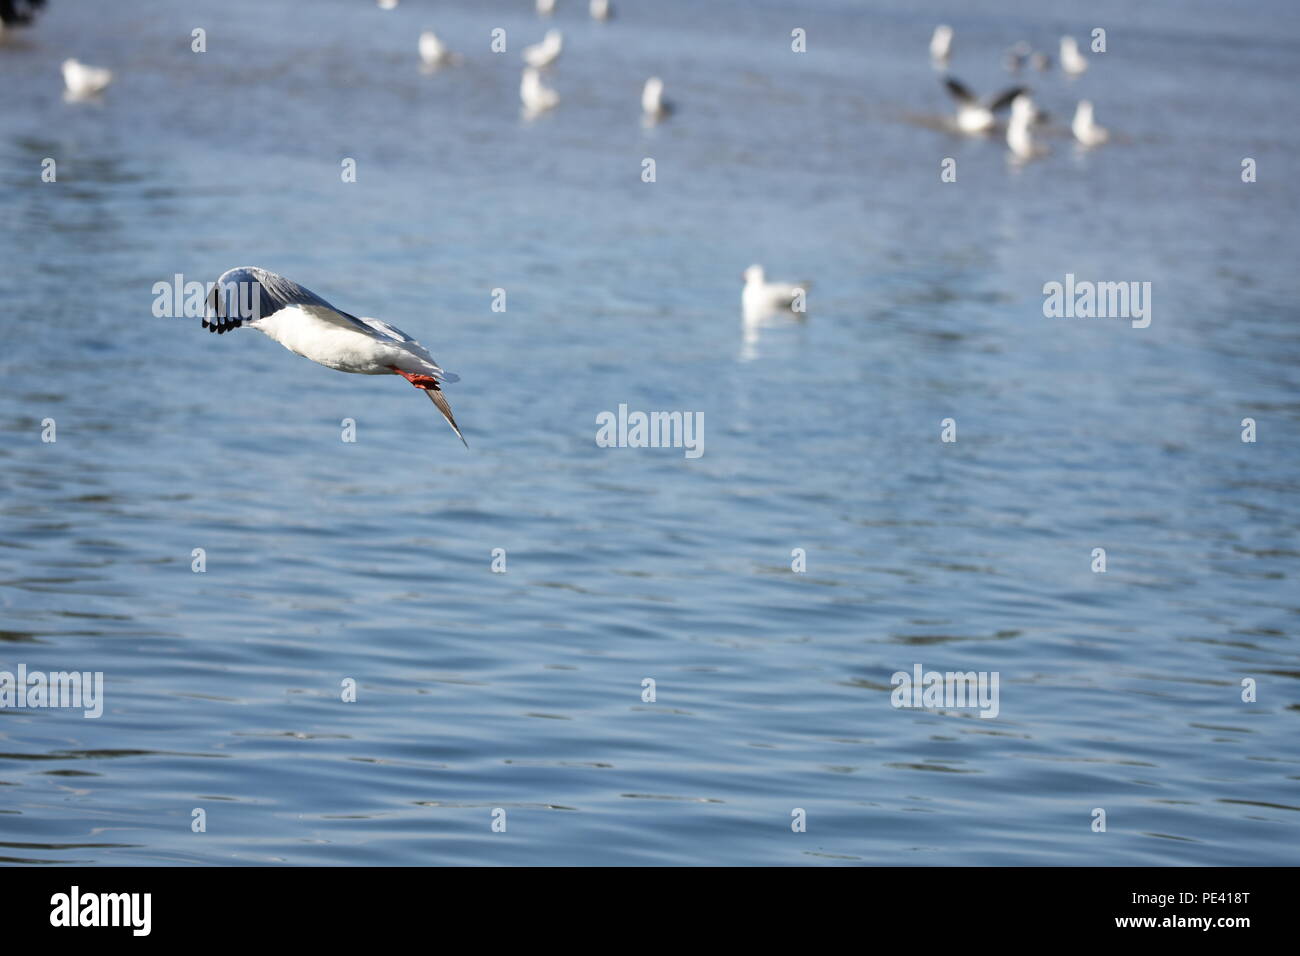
pixel 974 116
pixel 305 323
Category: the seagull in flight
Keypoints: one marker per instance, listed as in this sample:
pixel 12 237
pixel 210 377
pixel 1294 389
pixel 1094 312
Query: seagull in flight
pixel 537 97
pixel 974 116
pixel 305 323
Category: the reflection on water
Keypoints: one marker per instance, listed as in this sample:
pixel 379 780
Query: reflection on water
pixel 331 565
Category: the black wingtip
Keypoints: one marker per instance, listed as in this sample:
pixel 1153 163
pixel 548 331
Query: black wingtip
pixel 957 89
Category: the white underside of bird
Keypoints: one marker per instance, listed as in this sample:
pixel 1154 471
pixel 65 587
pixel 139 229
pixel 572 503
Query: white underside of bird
pixel 83 80
pixel 314 333
pixel 975 119
pixel 309 326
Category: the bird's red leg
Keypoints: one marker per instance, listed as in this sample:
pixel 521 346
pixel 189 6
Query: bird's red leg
pixel 425 382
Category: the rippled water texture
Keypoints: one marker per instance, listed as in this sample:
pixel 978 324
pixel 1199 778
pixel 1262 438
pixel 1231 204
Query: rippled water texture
pixel 371 560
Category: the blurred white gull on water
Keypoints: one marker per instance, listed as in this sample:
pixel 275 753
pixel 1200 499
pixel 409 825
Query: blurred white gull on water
pixel 762 299
pixel 83 81
pixel 653 105
pixel 545 53
pixel 1085 129
pixel 1072 61
pixel 941 43
pixel 536 96
pixel 433 52
pixel 1020 136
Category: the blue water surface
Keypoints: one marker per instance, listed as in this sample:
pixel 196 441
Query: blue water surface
pixel 371 561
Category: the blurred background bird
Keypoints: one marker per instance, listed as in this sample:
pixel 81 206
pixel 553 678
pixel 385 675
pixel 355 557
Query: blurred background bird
pixel 81 80
pixel 433 52
pixel 545 53
pixel 18 13
pixel 653 104
pixel 1072 61
pixel 537 97
pixel 1085 129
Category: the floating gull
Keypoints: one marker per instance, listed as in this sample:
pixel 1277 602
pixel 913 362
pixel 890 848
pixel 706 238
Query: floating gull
pixel 600 10
pixel 305 323
pixel 1020 137
pixel 82 80
pixel 433 52
pixel 545 7
pixel 653 104
pixel 761 299
pixel 974 116
pixel 387 4
pixel 941 43
pixel 1072 61
pixel 1085 130
pixel 544 53
pixel 536 96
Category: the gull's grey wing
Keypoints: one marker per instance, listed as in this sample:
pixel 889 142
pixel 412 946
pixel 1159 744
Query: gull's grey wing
pixel 1004 99
pixel 394 334
pixel 247 293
